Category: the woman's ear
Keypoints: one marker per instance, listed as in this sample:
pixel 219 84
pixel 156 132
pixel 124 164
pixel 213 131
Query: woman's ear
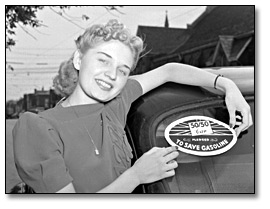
pixel 77 60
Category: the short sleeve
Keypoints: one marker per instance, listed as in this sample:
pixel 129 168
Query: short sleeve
pixel 38 154
pixel 130 93
pixel 121 105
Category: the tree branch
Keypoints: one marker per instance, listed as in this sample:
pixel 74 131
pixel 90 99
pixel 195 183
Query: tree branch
pixel 27 31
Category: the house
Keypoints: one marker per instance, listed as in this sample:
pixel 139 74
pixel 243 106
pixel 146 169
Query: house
pixel 159 41
pixel 35 102
pixel 40 100
pixel 221 36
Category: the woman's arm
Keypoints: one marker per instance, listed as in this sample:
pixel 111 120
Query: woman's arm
pixel 186 74
pixel 178 73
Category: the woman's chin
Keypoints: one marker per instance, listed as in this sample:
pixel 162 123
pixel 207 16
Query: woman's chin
pixel 103 99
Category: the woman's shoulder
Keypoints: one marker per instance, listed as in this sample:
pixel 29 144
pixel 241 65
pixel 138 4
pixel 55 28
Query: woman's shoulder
pixel 133 85
pixel 33 122
pixel 35 130
pixel 131 91
pixel 29 117
pixel 36 117
pixel 120 106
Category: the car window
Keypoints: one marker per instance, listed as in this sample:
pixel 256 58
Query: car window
pixel 230 172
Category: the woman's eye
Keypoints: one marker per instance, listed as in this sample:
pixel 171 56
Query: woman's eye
pixel 123 72
pixel 103 61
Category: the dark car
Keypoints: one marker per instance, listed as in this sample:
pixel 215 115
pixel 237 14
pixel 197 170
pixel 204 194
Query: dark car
pixel 230 172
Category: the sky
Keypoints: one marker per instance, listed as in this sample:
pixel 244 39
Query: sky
pixel 38 52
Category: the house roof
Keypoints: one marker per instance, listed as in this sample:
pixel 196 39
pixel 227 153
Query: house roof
pixel 161 40
pixel 236 46
pixel 240 45
pixel 42 92
pixel 220 20
pixel 232 46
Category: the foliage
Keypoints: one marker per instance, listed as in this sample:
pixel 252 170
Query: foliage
pixel 26 15
pixel 15 15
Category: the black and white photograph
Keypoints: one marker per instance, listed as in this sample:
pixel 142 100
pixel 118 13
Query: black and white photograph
pixel 131 100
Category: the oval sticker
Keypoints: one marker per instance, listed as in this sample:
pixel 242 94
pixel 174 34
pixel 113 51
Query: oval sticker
pixel 200 135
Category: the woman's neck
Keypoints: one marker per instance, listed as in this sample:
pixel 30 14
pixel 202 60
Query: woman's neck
pixel 78 97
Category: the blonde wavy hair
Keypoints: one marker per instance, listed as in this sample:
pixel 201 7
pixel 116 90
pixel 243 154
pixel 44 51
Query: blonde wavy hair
pixel 66 80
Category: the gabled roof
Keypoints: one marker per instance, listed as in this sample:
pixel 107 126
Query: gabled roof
pixel 239 46
pixel 220 20
pixel 232 46
pixel 161 40
pixel 227 44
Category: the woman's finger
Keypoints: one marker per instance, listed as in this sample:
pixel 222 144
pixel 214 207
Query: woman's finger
pixel 169 157
pixel 250 122
pixel 238 117
pixel 232 117
pixel 238 123
pixel 168 150
pixel 169 173
pixel 245 123
pixel 171 165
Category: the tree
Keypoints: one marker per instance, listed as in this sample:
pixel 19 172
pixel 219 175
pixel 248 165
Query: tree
pixel 15 15
pixel 26 15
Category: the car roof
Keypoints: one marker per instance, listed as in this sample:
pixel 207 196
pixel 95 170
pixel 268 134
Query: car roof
pixel 172 95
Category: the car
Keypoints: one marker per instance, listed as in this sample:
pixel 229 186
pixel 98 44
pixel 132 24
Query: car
pixel 230 172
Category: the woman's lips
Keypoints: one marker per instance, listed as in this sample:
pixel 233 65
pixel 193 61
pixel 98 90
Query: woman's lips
pixel 104 85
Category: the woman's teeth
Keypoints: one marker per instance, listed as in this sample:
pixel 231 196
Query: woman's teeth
pixel 104 84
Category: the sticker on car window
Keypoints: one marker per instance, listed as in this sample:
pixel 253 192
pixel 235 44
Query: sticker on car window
pixel 200 135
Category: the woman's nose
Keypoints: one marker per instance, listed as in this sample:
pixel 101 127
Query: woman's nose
pixel 111 73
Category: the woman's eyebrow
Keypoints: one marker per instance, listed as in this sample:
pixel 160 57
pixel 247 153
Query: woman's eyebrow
pixel 109 56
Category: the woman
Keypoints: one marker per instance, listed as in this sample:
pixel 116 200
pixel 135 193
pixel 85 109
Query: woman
pixel 80 145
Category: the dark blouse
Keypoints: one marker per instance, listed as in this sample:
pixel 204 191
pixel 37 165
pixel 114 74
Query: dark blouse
pixel 53 148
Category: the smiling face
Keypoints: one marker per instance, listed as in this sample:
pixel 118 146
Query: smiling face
pixel 103 72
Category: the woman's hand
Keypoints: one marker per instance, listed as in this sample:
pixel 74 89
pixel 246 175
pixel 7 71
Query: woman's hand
pixel 155 164
pixel 236 102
